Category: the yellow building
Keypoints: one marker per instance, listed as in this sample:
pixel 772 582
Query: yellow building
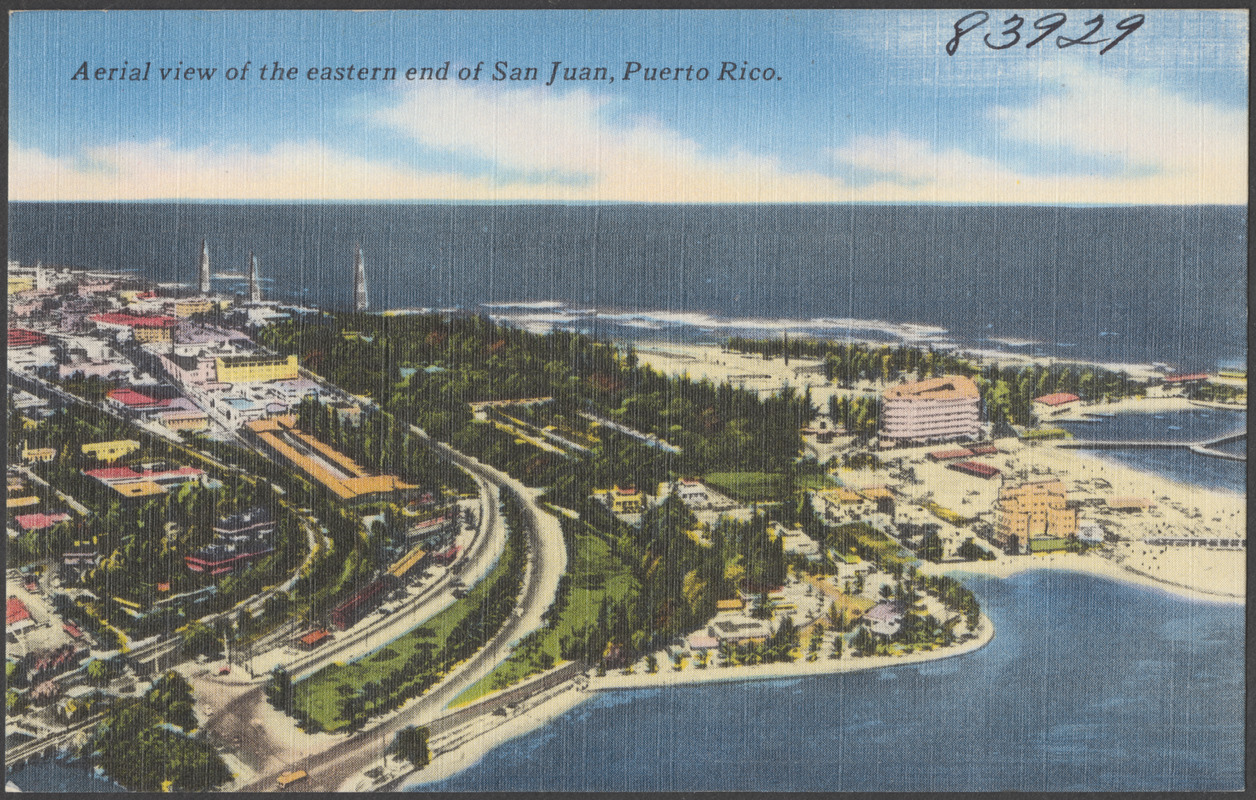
pixel 111 451
pixel 1034 510
pixel 254 368
pixel 407 562
pixel 154 334
pixel 626 501
pixel 339 473
pixel 40 455
pixel 186 308
pixel 136 489
pixel 20 283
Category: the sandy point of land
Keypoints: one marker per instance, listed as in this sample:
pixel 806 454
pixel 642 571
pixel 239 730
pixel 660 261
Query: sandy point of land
pixel 1128 405
pixel 1101 566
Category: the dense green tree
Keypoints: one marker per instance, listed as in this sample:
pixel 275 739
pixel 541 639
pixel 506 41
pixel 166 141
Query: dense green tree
pixel 931 548
pixel 411 744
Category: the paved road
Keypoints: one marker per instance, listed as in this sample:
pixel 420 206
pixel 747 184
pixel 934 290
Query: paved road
pixel 546 563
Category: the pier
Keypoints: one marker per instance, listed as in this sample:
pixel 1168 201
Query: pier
pixel 1204 448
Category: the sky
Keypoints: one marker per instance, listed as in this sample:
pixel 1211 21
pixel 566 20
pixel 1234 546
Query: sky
pixel 861 106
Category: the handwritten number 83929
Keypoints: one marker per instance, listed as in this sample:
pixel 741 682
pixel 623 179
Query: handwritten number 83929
pixel 1011 34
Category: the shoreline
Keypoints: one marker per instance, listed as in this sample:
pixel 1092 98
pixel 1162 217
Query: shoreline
pixel 455 761
pixel 1095 566
pixel 451 763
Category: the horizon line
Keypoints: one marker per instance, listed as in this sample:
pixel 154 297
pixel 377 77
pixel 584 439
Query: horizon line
pixel 521 202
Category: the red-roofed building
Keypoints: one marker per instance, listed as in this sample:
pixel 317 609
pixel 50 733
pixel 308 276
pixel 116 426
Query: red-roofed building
pixel 113 320
pixel 974 468
pixel 1052 404
pixel 38 522
pixel 1180 380
pixel 21 337
pixel 114 476
pixel 950 455
pixel 145 329
pixel 362 603
pixel 131 400
pixel 17 615
pixel 314 638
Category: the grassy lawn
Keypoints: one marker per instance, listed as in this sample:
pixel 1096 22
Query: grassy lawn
pixel 748 487
pixel 595 574
pixel 886 549
pixel 816 482
pixel 321 694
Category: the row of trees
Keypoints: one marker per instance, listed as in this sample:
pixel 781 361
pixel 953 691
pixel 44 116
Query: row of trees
pixel 488 608
pixel 847 363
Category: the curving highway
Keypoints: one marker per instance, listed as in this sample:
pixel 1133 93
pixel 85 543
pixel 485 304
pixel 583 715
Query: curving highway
pixel 547 560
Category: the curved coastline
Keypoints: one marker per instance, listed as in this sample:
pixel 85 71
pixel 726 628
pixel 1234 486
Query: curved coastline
pixel 1092 565
pixel 449 764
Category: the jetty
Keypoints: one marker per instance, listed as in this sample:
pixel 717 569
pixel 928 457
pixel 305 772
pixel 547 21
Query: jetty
pixel 1204 448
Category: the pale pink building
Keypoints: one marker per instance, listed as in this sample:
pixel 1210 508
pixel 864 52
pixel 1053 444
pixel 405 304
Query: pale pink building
pixel 938 409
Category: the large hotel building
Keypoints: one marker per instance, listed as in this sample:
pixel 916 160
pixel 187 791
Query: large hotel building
pixel 1034 510
pixel 938 409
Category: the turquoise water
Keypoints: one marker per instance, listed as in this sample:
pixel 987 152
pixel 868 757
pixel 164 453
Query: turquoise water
pixel 1089 685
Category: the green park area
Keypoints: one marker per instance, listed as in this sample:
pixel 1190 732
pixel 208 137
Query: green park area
pixel 596 579
pixel 749 487
pixel 343 695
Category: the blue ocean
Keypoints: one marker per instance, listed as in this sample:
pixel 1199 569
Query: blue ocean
pixel 1089 685
pixel 1114 284
pixel 1178 464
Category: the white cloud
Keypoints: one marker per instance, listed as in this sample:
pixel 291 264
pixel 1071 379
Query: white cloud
pixel 1160 147
pixel 287 171
pixel 538 131
pixel 539 145
pixel 574 147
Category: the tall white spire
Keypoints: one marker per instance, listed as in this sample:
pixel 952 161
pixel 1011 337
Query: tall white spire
pixel 41 276
pixel 204 275
pixel 255 288
pixel 360 300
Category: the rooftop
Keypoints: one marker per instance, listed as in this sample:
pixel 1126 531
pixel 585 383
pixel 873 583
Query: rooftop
pixel 16 612
pixel 133 321
pixel 37 522
pixel 947 387
pixel 133 399
pixel 1057 399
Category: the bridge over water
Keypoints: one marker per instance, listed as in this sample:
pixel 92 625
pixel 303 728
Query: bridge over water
pixel 1204 448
